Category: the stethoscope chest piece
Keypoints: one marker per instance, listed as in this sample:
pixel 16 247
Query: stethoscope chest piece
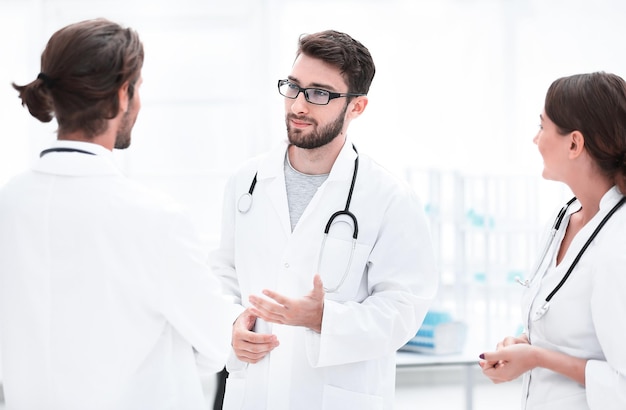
pixel 245 203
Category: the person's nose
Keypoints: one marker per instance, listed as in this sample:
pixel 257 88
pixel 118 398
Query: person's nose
pixel 300 104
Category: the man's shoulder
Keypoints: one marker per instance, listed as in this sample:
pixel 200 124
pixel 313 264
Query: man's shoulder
pixel 144 196
pixel 380 173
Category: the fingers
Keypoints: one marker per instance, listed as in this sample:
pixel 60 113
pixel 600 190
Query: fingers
pixel 265 304
pixel 492 368
pixel 318 287
pixel 249 346
pixel 494 375
pixel 253 349
pixel 280 299
pixel 252 353
pixel 304 311
pixel 245 320
pixel 490 360
pixel 270 316
pixel 511 340
pixel 268 310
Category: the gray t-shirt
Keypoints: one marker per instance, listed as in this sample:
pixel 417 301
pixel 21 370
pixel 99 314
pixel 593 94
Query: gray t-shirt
pixel 300 190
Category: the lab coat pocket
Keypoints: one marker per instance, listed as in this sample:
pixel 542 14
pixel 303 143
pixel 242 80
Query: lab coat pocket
pixel 342 264
pixel 336 398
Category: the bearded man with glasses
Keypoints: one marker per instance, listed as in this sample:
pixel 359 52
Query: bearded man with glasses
pixel 324 303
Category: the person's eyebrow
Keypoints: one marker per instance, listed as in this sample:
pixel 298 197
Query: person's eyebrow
pixel 312 85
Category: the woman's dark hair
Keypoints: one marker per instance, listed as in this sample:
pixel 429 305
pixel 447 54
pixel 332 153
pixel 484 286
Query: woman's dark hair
pixel 82 68
pixel 595 105
pixel 340 50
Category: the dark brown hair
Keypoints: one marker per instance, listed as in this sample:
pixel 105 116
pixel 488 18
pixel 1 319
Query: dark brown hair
pixel 82 68
pixel 595 105
pixel 340 50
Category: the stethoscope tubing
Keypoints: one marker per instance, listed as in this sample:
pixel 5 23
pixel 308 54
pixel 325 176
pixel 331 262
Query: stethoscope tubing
pixel 546 305
pixel 244 204
pixel 549 241
pixel 584 248
pixel 64 149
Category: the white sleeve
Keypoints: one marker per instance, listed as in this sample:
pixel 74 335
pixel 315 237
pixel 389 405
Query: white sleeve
pixel 222 260
pixel 191 297
pixel 606 380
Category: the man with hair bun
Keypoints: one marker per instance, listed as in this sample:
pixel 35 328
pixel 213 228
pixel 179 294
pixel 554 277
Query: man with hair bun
pixel 106 299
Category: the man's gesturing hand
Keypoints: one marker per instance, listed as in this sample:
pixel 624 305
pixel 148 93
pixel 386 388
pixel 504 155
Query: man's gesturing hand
pixel 306 311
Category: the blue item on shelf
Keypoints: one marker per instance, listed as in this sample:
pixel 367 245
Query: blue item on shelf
pixel 439 334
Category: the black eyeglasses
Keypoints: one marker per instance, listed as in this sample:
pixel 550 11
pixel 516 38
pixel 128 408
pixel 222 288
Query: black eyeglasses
pixel 315 96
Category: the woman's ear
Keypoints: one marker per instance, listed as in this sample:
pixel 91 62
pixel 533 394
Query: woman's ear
pixel 577 144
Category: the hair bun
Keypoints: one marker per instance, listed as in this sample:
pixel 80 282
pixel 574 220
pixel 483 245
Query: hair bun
pixel 46 79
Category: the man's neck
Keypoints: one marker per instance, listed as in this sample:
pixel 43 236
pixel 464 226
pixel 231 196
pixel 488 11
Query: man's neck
pixel 316 161
pixel 103 139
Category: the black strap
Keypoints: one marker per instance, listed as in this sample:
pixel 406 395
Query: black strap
pixel 64 149
pixel 584 248
pixel 354 173
pixel 253 184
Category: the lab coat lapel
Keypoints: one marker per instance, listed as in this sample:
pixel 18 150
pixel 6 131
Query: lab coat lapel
pixel 271 170
pixel 341 173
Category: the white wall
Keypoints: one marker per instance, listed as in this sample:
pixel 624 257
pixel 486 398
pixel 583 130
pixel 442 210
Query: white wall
pixel 459 84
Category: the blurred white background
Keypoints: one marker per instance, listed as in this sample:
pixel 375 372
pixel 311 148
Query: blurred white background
pixel 459 83
pixel 453 108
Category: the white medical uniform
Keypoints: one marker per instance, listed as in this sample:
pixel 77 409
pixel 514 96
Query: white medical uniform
pixel 586 318
pixel 379 307
pixel 105 292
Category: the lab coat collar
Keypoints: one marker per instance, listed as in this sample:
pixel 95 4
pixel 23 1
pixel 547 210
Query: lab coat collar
pixel 96 149
pixel 73 163
pixel 610 198
pixel 344 164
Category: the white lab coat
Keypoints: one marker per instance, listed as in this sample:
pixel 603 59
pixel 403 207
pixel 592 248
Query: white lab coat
pixel 105 292
pixel 586 317
pixel 380 306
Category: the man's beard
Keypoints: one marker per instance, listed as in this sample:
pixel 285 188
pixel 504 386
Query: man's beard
pixel 122 139
pixel 319 136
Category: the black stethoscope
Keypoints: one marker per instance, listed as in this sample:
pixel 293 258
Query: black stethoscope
pixel 555 227
pixel 245 203
pixel 64 149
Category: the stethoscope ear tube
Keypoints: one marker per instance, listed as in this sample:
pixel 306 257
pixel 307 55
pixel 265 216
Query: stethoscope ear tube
pixel 585 246
pixel 548 244
pixel 244 204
